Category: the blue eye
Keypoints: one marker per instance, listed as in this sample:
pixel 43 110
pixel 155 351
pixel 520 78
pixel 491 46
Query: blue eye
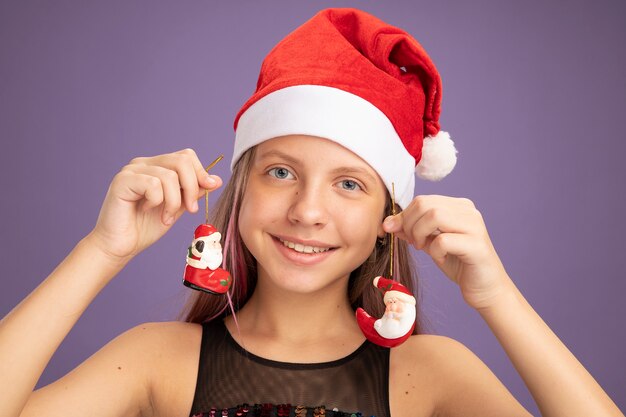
pixel 280 173
pixel 350 185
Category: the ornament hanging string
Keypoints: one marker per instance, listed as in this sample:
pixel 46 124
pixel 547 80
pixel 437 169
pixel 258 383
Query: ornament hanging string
pixel 206 221
pixel 206 194
pixel 389 331
pixel 393 213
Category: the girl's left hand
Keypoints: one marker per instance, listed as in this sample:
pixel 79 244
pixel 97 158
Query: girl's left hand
pixel 452 232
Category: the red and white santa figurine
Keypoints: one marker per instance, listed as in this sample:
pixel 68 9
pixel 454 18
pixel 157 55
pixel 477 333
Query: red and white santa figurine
pixel 397 323
pixel 204 258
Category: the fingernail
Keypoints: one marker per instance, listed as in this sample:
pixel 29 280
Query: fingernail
pixel 389 221
pixel 211 181
pixel 169 220
pixel 194 206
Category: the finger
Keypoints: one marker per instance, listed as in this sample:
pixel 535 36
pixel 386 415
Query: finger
pixel 426 227
pixel 169 182
pixel 192 178
pixel 444 244
pixel 415 209
pixel 426 215
pixel 133 187
pixel 195 181
pixel 442 220
pixel 422 203
pixel 206 181
pixel 183 165
pixel 411 225
pixel 215 180
pixel 393 224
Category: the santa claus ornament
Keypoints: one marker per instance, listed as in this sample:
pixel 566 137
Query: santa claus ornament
pixel 203 271
pixel 398 322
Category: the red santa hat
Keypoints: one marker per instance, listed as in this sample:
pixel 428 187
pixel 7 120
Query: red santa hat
pixel 351 78
pixel 207 230
pixel 394 289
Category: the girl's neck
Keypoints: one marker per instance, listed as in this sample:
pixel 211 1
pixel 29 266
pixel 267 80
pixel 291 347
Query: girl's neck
pixel 298 318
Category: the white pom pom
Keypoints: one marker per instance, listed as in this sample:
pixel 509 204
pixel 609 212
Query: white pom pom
pixel 438 157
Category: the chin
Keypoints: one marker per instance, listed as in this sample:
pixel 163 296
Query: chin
pixel 305 282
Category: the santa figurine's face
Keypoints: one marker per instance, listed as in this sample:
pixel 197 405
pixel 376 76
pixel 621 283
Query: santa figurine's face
pixel 398 319
pixel 393 305
pixel 209 250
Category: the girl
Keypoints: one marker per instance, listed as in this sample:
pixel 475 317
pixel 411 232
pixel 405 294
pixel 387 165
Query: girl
pixel 345 107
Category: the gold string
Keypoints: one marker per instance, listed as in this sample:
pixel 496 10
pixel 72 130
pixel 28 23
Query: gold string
pixel 206 194
pixel 393 213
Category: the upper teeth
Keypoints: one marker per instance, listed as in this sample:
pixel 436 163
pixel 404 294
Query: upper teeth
pixel 303 248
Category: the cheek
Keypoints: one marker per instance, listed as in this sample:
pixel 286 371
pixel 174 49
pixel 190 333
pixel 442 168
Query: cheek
pixel 361 227
pixel 246 219
pixel 256 211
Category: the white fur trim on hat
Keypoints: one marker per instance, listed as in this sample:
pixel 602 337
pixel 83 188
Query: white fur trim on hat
pixel 438 157
pixel 339 116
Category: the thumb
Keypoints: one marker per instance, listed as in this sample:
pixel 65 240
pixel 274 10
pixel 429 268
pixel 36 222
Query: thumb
pixel 393 223
pixel 216 182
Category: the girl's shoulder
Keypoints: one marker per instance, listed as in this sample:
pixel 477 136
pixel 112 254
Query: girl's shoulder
pixel 431 375
pixel 431 349
pixel 149 370
pixel 176 330
pixel 417 373
pixel 163 339
pixel 172 354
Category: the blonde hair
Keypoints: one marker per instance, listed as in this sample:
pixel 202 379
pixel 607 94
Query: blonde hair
pixel 241 264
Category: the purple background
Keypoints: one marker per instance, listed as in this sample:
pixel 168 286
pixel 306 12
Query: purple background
pixel 534 96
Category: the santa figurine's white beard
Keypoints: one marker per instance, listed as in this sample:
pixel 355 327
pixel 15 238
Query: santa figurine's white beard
pixel 394 324
pixel 212 258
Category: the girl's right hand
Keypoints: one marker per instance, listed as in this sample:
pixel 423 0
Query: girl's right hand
pixel 146 198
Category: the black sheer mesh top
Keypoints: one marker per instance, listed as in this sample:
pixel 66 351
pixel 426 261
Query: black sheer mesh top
pixel 234 382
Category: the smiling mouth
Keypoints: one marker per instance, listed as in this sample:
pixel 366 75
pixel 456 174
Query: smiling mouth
pixel 298 247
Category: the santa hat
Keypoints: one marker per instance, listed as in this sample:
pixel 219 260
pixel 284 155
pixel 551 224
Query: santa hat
pixel 394 289
pixel 207 231
pixel 351 78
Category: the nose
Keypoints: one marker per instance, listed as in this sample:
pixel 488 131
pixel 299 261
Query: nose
pixel 310 206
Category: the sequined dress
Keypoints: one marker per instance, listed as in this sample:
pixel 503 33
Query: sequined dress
pixel 234 382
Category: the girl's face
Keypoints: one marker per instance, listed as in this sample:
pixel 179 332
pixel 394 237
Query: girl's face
pixel 311 213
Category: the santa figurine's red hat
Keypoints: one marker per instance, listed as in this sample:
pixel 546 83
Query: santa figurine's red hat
pixel 206 230
pixel 349 77
pixel 393 289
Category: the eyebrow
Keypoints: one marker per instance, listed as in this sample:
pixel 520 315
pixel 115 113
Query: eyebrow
pixel 342 170
pixel 279 154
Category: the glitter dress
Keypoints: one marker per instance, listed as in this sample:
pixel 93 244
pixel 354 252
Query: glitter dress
pixel 234 382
